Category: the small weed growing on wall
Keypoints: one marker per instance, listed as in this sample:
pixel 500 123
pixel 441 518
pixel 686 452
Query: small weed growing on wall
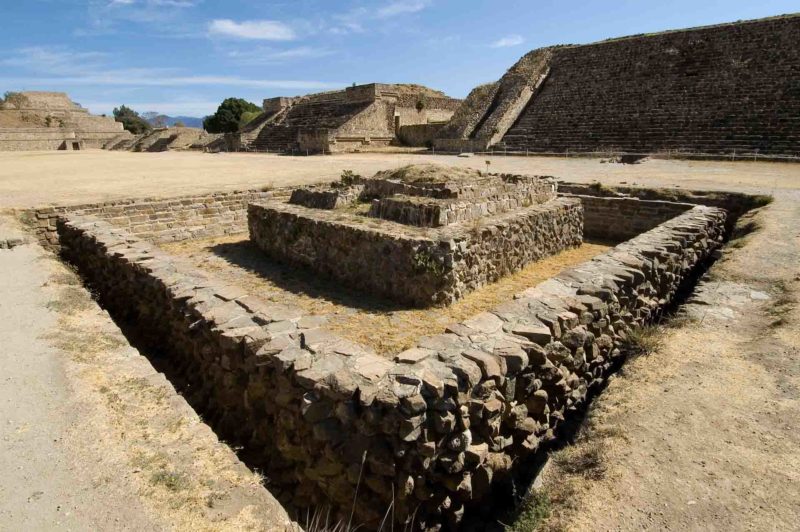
pixel 350 178
pixel 599 188
pixel 423 261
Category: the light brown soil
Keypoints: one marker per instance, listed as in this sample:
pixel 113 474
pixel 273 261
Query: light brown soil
pixel 30 179
pixel 429 173
pixel 703 433
pixel 21 120
pixel 92 437
pixel 370 321
pixel 700 435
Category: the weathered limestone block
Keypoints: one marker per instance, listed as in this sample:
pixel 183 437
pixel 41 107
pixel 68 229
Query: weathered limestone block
pixel 326 197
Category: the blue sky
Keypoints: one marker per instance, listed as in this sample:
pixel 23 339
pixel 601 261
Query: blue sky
pixel 185 56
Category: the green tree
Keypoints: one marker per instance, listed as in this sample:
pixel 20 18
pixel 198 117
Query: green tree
pixel 179 123
pixel 16 99
pixel 228 115
pixel 247 117
pixel 131 120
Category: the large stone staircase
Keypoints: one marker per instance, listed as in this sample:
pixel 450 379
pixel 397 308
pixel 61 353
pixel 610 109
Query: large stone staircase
pixel 279 131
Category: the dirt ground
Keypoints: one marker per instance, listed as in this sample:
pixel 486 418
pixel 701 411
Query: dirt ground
pixel 375 322
pixel 701 434
pixel 30 179
pixel 91 436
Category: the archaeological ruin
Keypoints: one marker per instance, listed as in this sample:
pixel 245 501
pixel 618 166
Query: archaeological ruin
pixel 430 429
pixel 359 117
pixel 726 89
pixel 51 121
pixel 406 349
pixel 422 241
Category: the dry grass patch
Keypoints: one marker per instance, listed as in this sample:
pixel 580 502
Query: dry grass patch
pixel 377 323
pixel 643 340
pixel 782 305
pixel 180 473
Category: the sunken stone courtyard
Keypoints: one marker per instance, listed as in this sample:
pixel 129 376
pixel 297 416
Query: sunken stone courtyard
pixel 430 427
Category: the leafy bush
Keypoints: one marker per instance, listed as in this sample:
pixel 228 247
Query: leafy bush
pixel 131 120
pixel 229 115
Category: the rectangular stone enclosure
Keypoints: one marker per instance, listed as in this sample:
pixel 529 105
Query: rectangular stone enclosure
pixel 420 244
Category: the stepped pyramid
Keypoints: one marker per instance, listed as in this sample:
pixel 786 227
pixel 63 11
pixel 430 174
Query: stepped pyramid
pixel 51 121
pixel 729 88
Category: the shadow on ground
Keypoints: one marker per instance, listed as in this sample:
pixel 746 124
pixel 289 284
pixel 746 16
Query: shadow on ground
pixel 300 281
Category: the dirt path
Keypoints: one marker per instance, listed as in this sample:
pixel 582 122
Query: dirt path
pixel 704 433
pixel 91 437
pixel 44 485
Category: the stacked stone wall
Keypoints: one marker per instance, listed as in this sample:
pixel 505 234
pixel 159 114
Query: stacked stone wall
pixel 619 219
pixel 34 139
pixel 721 89
pixel 326 197
pixel 541 188
pixel 427 434
pixel 413 265
pixel 734 203
pixel 54 108
pixel 159 220
pixel 427 212
pixel 419 135
pixel 342 121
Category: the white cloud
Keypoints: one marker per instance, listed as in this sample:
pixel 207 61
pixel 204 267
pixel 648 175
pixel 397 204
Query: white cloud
pixel 265 30
pixel 401 7
pixel 162 3
pixel 54 60
pixel 53 67
pixel 107 16
pixel 354 20
pixel 508 41
pixel 263 56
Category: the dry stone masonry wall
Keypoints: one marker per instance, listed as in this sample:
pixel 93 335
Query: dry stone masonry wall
pixel 160 220
pixel 51 121
pixel 408 264
pixel 429 432
pixel 326 197
pixel 617 219
pixel 411 265
pixel 351 119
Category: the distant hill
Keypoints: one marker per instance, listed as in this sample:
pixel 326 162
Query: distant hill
pixel 157 119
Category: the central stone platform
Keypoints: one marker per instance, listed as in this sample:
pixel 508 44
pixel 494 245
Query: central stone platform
pixel 420 236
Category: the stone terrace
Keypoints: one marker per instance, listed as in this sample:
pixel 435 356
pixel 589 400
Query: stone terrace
pixel 464 233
